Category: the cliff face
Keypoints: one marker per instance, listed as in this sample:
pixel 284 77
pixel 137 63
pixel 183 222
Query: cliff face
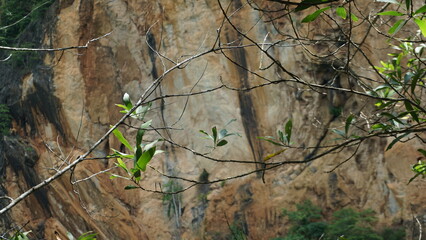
pixel 67 102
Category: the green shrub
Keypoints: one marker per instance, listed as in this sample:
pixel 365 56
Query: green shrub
pixel 393 234
pixel 307 223
pixel 237 232
pixel 353 225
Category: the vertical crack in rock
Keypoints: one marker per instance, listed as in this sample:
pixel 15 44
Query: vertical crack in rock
pixel 152 56
pixel 247 110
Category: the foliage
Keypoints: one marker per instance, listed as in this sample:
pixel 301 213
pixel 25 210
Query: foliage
pixel 393 234
pixel 14 17
pixel 282 139
pixel 307 222
pixel 20 236
pixel 415 15
pixel 352 225
pixel 398 92
pixel 142 153
pixel 5 119
pixel 237 232
pixel 404 77
pixel 88 236
pixel 218 137
pixel 85 236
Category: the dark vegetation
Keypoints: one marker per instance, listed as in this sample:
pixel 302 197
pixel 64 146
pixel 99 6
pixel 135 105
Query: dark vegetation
pixel 308 223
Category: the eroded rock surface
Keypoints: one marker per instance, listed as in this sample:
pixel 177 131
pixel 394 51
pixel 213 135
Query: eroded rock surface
pixel 67 103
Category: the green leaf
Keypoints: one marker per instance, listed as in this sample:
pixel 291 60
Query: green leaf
pixel 354 17
pixel 341 12
pixel 222 143
pixel 122 139
pixel 271 140
pixel 146 125
pixel 136 174
pixel 280 135
pixel 223 133
pixel 118 154
pixel 397 26
pixel 139 136
pixel 150 145
pixel 407 5
pixel 214 132
pixel 145 158
pixel 396 140
pixel 128 187
pixel 389 1
pixel 313 16
pixel 378 126
pixel 205 133
pixel 348 123
pixel 422 151
pixel 69 236
pixel 121 105
pixel 158 152
pixel 411 110
pixel 420 10
pixel 422 25
pixel 390 13
pixel 414 79
pixel 339 132
pixel 419 167
pixel 88 236
pixel 141 111
pixel 288 127
pixel 121 164
pixel 113 176
pixel 391 117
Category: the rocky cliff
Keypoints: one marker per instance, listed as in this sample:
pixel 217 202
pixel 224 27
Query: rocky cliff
pixel 63 103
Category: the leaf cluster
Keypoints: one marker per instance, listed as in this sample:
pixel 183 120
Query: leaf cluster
pixel 218 137
pixel 142 153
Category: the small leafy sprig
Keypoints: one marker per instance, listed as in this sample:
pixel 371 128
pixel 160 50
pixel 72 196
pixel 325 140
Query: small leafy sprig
pixel 346 134
pixel 282 139
pixel 218 137
pixel 142 153
pixel 420 167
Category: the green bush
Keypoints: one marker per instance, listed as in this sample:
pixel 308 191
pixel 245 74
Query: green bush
pixel 353 225
pixel 308 223
pixel 393 233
